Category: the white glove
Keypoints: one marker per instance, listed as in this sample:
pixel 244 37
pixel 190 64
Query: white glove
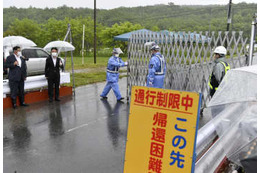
pixel 126 63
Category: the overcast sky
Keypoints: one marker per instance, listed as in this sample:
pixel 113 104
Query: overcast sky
pixel 109 4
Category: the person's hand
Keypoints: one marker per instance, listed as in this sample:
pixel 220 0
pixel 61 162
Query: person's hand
pixel 60 63
pixel 26 59
pixel 25 78
pixel 16 63
pixel 150 84
pixel 126 63
pixel 46 78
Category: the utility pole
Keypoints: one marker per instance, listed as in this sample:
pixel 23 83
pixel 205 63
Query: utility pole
pixel 228 18
pixel 72 63
pixel 95 34
pixel 232 17
pixel 209 19
pixel 83 39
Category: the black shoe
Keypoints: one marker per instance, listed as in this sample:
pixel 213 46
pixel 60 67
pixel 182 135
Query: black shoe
pixel 103 97
pixel 57 100
pixel 24 104
pixel 14 106
pixel 50 100
pixel 119 100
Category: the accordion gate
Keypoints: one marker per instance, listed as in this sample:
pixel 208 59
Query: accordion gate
pixel 189 58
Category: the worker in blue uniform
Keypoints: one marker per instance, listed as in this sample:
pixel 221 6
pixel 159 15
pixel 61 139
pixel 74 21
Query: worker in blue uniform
pixel 157 68
pixel 114 63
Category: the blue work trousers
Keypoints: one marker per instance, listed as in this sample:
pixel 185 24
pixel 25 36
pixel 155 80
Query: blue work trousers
pixel 115 88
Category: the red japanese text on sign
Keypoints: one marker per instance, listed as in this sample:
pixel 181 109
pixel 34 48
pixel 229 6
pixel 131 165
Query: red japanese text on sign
pixel 174 101
pixel 158 135
pixel 158 140
pixel 187 102
pixel 157 150
pixel 163 99
pixel 160 119
pixel 155 165
pixel 150 96
pixel 139 96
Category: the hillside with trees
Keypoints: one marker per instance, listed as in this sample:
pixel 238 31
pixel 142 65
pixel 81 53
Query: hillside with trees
pixel 44 25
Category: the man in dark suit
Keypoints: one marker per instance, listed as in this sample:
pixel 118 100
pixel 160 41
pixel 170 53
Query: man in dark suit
pixel 52 73
pixel 17 75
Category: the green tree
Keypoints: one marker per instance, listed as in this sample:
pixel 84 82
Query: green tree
pixel 26 28
pixel 117 29
pixel 53 30
pixel 49 24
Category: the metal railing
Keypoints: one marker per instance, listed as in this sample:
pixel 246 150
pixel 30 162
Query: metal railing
pixel 252 40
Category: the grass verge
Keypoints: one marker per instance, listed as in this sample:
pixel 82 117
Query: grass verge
pixel 94 75
pixel 88 62
pixel 88 78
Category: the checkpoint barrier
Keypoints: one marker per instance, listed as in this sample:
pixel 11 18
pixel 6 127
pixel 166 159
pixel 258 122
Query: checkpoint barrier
pixel 33 83
pixel 189 58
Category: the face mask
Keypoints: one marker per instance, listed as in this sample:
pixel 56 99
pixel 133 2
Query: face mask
pixel 19 53
pixel 54 54
pixel 116 55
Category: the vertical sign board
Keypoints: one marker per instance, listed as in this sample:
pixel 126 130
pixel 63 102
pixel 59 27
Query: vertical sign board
pixel 162 131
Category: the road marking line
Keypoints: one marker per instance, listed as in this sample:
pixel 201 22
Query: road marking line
pixel 83 125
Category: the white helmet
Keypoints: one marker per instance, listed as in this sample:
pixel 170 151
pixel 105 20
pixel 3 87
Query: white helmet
pixel 155 47
pixel 117 51
pixel 220 50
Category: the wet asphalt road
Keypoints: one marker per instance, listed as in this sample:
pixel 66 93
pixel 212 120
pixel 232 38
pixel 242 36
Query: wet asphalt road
pixel 71 136
pixel 77 135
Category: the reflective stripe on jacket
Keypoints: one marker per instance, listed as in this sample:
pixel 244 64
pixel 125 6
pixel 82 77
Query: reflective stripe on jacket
pixel 213 82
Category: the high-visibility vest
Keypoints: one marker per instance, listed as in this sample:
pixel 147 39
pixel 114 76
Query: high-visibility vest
pixel 114 69
pixel 162 64
pixel 213 83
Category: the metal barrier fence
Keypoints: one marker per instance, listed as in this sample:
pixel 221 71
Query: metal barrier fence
pixel 189 58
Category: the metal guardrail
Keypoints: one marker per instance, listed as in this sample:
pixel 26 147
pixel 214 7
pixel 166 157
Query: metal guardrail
pixel 218 151
pixel 33 82
pixel 207 133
